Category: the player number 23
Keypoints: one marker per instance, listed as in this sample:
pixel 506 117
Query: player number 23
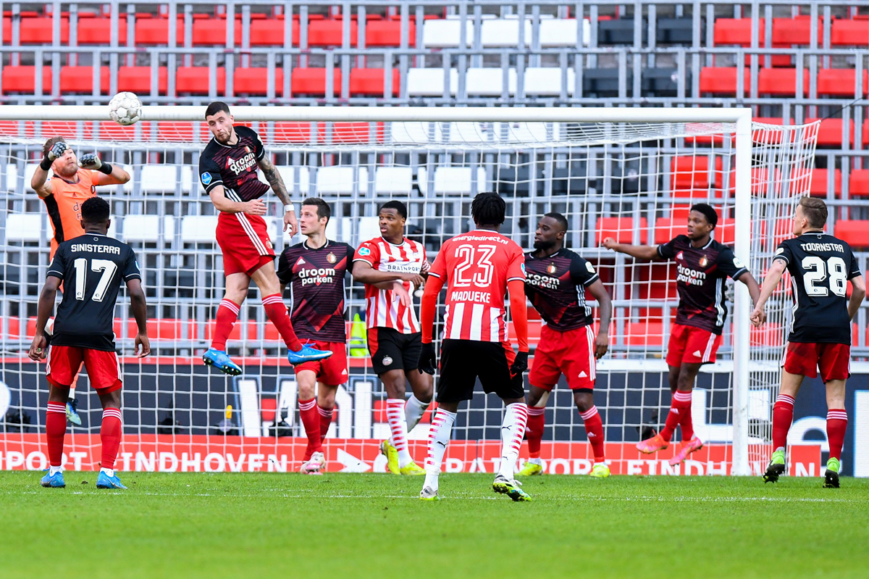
pixel 816 274
pixel 105 266
pixel 481 257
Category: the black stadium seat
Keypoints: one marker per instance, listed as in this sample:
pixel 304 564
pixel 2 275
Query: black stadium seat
pixel 677 30
pixel 618 32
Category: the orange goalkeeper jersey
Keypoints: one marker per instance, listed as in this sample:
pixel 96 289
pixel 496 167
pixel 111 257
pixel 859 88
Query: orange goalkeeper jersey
pixel 64 205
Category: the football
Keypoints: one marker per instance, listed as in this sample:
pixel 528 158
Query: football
pixel 125 108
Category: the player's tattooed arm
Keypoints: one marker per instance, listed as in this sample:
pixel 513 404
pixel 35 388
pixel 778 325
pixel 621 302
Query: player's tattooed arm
pixel 605 311
pixel 276 181
pixel 770 282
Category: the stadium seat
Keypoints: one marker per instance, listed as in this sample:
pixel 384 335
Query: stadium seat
pixel 795 31
pixel 620 31
pixel 840 82
pixel 780 82
pixel 330 33
pixel 40 30
pixel 67 129
pixel 303 180
pixel 212 31
pixel 21 79
pixel 546 81
pixel 348 133
pixel 645 334
pixel 94 31
pixel 818 186
pixel 855 232
pixel 428 82
pixel 388 33
pixel 181 132
pixel 341 180
pixel 830 132
pixel 110 131
pixel 199 229
pixel 194 80
pixel 253 81
pixel 621 229
pixel 312 81
pixel 845 32
pixel 769 335
pixel 503 33
pixel 662 82
pixel 137 79
pixel 446 34
pixel 25 227
pixel 451 180
pixel 289 132
pixel 154 31
pixel 677 30
pixel 604 82
pixel 80 80
pixel 737 32
pixel 858 183
pixel 163 178
pixel 369 82
pixel 146 228
pixel 489 81
pixel 395 180
pixel 722 80
pixel 557 32
pixel 689 173
pixel 666 228
pixel 270 32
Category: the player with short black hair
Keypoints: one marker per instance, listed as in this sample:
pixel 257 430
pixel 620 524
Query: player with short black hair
pixel 92 266
pixel 556 281
pixel 228 173
pixel 703 265
pixel 821 267
pixel 315 271
pixel 392 267
pixel 479 268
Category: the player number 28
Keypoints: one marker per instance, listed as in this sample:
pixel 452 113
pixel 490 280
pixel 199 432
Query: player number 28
pixel 482 277
pixel 816 273
pixel 105 266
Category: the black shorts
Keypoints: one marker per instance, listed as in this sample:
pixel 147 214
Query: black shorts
pixel 392 350
pixel 463 361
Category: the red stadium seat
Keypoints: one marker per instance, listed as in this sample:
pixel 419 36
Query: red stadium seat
pixel 388 33
pixel 212 31
pixel 666 228
pixel 534 329
pixel 818 186
pixel 22 79
pixel 254 81
pixel 855 232
pixel 67 129
pixel 181 132
pixel 270 32
pixel 722 80
pixel 194 80
pixel 99 31
pixel 737 31
pixel 769 334
pixel 137 79
pixel 312 81
pixel 621 229
pixel 369 82
pixel 644 334
pixel 840 82
pixel 330 33
pixel 781 82
pixel 690 177
pixel 349 133
pixel 292 133
pixel 849 32
pixel 858 183
pixel 110 131
pixel 830 132
pixel 155 31
pixel 7 30
pixel 787 32
pixel 80 80
pixel 40 30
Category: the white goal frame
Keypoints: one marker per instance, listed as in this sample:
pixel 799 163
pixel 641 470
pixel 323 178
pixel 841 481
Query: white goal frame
pixel 740 117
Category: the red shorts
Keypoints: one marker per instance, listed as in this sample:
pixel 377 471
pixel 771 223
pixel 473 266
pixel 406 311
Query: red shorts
pixel 64 363
pixel 690 345
pixel 333 370
pixel 244 240
pixel 570 353
pixel 804 360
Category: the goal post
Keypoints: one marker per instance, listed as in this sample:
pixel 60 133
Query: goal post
pixel 623 172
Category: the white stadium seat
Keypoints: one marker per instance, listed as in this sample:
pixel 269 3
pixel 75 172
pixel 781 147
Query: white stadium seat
pixel 199 229
pixel 410 132
pixel 547 81
pixel 446 33
pixel 341 180
pixel 452 180
pixel 503 33
pixel 288 174
pixel 393 180
pixel 25 227
pixel 146 228
pixel 527 132
pixel 164 178
pixel 464 132
pixel 561 32
pixel 369 228
pixel 489 81
pixel 430 81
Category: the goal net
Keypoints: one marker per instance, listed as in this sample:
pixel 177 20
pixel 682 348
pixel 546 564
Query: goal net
pixel 629 174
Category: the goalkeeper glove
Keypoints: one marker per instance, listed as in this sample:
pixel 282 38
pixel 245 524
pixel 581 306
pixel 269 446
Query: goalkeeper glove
pixel 54 153
pixel 520 364
pixel 428 359
pixel 92 161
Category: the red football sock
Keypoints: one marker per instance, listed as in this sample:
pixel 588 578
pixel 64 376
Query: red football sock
pixel 837 423
pixel 534 429
pixel 678 407
pixel 55 429
pixel 687 423
pixel 110 436
pixel 227 314
pixel 594 430
pixel 311 421
pixel 277 313
pixel 325 421
pixel 782 416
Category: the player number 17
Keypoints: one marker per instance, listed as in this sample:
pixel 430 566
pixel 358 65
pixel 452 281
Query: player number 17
pixel 816 274
pixel 108 268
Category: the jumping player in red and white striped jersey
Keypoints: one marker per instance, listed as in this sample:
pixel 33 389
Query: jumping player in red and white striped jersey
pixel 478 267
pixel 391 267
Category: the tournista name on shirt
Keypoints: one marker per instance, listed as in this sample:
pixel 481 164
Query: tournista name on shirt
pixel 89 247
pixel 823 247
pixel 690 276
pixel 468 296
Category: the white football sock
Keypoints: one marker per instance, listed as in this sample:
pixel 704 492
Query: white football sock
pixel 108 471
pixel 438 439
pixel 54 469
pixel 512 432
pixel 398 426
pixel 71 394
pixel 413 411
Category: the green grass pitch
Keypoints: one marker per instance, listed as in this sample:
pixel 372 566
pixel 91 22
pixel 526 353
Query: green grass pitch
pixel 267 525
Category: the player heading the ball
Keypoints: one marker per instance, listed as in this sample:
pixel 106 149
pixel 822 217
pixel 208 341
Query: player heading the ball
pixel 821 267
pixel 478 269
pixel 228 172
pixel 703 266
pixel 556 280
pixel 92 267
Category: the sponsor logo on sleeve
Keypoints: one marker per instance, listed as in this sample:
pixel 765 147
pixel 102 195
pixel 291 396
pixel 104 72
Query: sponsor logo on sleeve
pixel 780 251
pixel 364 251
pixel 589 267
pixel 737 263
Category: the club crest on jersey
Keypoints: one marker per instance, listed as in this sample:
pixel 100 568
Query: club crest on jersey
pixel 703 261
pixel 387 360
pixel 551 269
pixel 331 258
pixel 206 178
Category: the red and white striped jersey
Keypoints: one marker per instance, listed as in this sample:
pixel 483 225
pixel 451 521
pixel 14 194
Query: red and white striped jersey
pixel 384 310
pixel 476 267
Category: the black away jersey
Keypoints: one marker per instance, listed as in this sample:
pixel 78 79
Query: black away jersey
pixel 234 166
pixel 556 287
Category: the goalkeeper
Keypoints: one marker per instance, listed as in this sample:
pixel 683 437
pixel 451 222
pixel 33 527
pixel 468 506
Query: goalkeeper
pixel 72 182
